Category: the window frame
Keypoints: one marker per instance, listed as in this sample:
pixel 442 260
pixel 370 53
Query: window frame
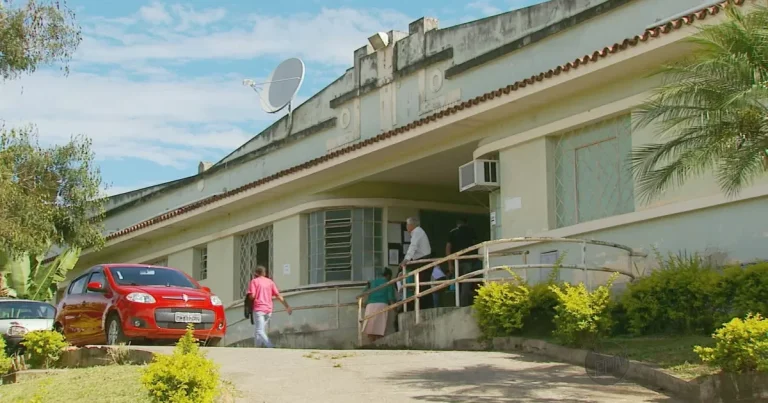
pixel 201 266
pixel 82 287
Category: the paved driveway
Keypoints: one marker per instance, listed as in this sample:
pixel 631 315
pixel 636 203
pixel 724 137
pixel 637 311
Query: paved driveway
pixel 372 376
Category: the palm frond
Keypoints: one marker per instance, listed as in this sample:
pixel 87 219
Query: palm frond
pixel 710 111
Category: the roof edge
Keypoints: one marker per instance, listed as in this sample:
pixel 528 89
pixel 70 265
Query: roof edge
pixel 647 35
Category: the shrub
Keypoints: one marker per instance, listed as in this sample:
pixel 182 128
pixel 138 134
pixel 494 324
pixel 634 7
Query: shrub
pixel 741 291
pixel 43 348
pixel 540 321
pixel 5 362
pixel 678 298
pixel 119 355
pixel 581 317
pixel 501 307
pixel 186 376
pixel 619 320
pixel 741 346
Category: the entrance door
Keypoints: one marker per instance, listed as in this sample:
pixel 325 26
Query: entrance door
pixel 262 256
pixel 255 248
pixel 438 225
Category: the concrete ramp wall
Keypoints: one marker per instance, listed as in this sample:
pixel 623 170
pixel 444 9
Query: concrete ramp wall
pixel 439 329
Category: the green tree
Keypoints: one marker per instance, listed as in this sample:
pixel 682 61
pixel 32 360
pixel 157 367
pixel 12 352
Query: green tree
pixel 48 196
pixel 711 110
pixel 34 33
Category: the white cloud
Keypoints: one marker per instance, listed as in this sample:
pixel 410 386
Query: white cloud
pixel 484 6
pixel 161 117
pixel 155 13
pixel 328 37
pixel 189 17
pixel 169 122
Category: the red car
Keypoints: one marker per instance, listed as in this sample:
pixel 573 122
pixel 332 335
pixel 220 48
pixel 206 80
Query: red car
pixel 130 303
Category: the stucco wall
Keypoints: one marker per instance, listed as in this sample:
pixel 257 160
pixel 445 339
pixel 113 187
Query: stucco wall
pixel 374 99
pixel 290 249
pixel 184 260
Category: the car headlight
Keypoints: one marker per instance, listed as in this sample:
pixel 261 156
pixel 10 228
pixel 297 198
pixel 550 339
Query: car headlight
pixel 216 301
pixel 140 297
pixel 16 330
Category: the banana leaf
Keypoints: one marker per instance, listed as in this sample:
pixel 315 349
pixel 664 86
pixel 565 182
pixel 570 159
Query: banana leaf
pixel 15 271
pixel 46 275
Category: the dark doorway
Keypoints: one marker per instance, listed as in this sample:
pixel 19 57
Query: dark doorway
pixel 438 225
pixel 262 256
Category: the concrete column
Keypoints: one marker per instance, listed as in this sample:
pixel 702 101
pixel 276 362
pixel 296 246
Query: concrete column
pixel 222 269
pixel 290 252
pixel 184 261
pixel 525 189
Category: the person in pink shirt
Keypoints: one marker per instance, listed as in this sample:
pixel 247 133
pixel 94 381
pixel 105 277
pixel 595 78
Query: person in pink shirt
pixel 262 290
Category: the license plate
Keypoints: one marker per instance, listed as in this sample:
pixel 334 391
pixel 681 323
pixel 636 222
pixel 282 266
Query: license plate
pixel 188 317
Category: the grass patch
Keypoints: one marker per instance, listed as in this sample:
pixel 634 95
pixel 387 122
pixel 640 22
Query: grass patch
pixel 674 354
pixel 113 384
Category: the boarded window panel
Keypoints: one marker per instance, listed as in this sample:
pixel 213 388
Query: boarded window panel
pixel 592 175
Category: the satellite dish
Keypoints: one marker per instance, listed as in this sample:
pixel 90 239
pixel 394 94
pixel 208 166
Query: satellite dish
pixel 282 85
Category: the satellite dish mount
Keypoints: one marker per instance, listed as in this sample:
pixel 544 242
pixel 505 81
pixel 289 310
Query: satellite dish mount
pixel 280 88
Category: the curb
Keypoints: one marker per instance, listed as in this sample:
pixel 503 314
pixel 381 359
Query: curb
pixel 718 388
pixel 636 371
pixel 82 357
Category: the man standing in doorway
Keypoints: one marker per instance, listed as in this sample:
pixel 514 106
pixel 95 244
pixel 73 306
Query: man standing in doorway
pixel 460 238
pixel 261 290
pixel 418 249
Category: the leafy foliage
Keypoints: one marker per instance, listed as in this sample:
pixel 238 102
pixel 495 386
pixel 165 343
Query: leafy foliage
pixel 48 196
pixel 501 307
pixel 677 298
pixel 37 33
pixel 581 317
pixel 43 348
pixel 741 346
pixel 711 110
pixel 186 376
pixel 540 321
pixel 5 362
pixel 29 278
pixel 741 291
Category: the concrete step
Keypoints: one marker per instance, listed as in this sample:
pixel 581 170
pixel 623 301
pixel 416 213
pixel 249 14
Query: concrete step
pixel 443 329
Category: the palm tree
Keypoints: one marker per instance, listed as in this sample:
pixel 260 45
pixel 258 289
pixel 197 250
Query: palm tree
pixel 711 110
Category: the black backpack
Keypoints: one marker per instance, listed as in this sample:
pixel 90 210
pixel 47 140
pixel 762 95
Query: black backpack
pixel 248 307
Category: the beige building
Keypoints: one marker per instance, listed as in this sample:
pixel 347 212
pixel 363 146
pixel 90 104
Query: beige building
pixel 538 100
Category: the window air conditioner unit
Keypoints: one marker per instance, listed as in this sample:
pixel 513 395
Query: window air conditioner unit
pixel 479 175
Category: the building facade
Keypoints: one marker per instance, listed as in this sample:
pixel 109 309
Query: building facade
pixel 547 92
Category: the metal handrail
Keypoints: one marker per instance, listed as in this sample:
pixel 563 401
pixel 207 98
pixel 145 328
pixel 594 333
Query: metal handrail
pixel 485 271
pixel 311 288
pixel 459 255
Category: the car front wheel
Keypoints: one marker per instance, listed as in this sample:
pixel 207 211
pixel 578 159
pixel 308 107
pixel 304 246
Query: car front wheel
pixel 115 334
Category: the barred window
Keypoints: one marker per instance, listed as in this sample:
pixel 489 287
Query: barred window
pixel 345 244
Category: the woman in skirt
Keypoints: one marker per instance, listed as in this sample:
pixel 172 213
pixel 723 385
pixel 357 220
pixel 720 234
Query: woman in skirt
pixel 376 326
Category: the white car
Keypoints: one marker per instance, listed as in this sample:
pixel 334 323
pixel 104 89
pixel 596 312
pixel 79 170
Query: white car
pixel 21 316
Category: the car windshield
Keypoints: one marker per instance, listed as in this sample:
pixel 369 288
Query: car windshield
pixel 26 310
pixel 150 276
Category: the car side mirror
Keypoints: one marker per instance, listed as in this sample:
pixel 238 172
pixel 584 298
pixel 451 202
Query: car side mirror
pixel 206 289
pixel 95 286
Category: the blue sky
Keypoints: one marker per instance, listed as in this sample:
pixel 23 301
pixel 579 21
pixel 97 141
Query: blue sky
pixel 157 85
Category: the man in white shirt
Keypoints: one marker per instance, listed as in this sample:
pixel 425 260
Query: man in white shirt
pixel 418 249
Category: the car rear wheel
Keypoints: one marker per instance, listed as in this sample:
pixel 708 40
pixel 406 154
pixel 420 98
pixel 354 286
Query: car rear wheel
pixel 115 334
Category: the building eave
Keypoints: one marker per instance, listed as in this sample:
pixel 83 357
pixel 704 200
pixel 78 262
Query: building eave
pixel 455 112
